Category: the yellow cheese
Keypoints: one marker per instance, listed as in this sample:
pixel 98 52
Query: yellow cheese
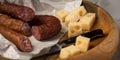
pixel 80 10
pixel 74 50
pixel 64 54
pixel 61 14
pixel 87 21
pixel 69 51
pixel 82 43
pixel 75 15
pixel 71 18
pixel 74 29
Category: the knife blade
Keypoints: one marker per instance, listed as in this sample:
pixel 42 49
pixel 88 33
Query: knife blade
pixel 57 47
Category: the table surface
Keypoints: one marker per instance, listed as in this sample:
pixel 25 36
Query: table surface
pixel 112 6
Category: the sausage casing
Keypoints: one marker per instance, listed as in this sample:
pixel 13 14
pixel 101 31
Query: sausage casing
pixel 45 26
pixel 18 11
pixel 20 41
pixel 15 24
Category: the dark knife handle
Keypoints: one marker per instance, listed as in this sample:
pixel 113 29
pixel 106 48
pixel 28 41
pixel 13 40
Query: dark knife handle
pixel 92 35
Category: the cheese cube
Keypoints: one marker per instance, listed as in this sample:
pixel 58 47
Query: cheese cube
pixel 87 21
pixel 80 10
pixel 71 18
pixel 74 50
pixel 64 53
pixel 82 43
pixel 75 15
pixel 61 14
pixel 74 29
pixel 69 51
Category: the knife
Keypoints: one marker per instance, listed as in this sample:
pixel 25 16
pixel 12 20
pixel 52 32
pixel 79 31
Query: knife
pixel 57 47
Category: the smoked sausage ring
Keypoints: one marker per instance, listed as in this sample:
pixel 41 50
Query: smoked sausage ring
pixel 45 26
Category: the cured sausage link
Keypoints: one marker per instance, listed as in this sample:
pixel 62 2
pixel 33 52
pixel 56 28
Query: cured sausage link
pixel 19 40
pixel 18 11
pixel 45 27
pixel 15 24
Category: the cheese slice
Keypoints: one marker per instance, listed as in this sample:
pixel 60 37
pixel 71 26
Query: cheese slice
pixel 69 51
pixel 82 43
pixel 75 15
pixel 74 29
pixel 61 14
pixel 87 21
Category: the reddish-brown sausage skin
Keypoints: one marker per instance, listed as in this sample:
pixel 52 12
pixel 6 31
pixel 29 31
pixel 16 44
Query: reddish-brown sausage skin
pixel 20 41
pixel 17 11
pixel 16 25
pixel 45 26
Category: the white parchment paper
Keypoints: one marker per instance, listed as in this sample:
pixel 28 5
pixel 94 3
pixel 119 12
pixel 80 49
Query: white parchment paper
pixel 49 7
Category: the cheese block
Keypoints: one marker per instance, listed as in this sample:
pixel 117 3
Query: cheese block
pixel 71 18
pixel 80 10
pixel 75 15
pixel 82 43
pixel 87 21
pixel 61 14
pixel 69 51
pixel 64 53
pixel 74 29
pixel 74 50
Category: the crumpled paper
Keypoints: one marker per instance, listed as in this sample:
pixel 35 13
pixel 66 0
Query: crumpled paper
pixel 41 7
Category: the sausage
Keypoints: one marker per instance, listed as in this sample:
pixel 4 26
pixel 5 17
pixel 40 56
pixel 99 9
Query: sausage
pixel 15 24
pixel 19 40
pixel 18 11
pixel 45 26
